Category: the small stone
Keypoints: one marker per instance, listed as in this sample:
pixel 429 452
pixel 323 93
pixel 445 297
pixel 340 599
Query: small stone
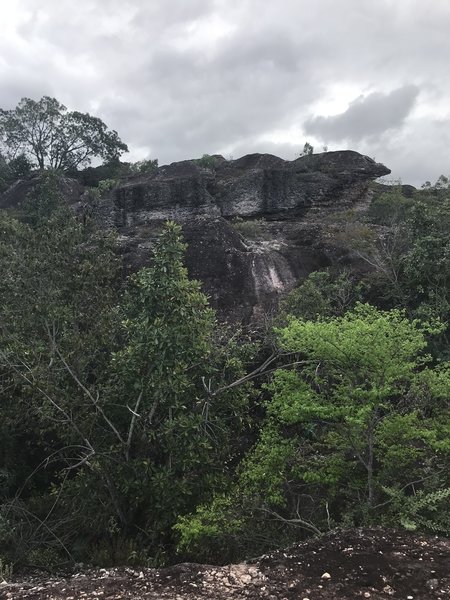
pixel 141 575
pixel 326 576
pixel 432 584
pixel 409 597
pixel 366 594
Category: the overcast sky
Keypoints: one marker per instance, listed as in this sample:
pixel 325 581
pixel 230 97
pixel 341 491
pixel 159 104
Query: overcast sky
pixel 181 78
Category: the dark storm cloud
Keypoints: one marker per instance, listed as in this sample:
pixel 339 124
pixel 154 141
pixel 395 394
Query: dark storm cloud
pixel 367 116
pixel 179 78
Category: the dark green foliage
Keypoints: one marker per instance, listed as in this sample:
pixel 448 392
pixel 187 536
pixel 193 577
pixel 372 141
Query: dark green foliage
pixel 91 176
pixel 111 425
pixel 113 170
pixel 11 170
pixel 390 208
pixel 51 137
pixel 406 245
pixel 322 294
pixel 307 149
pixel 143 167
pixel 206 162
pixel 172 440
pixel 129 432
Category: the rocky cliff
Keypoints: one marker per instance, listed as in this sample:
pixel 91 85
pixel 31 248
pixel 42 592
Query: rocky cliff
pixel 254 226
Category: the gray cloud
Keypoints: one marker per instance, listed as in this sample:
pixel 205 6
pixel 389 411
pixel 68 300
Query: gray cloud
pixel 178 79
pixel 367 116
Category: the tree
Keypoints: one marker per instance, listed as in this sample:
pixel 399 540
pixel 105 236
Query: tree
pixel 59 288
pixel 11 170
pixel 176 439
pixel 322 294
pixel 360 420
pixel 307 149
pixel 108 427
pixel 45 132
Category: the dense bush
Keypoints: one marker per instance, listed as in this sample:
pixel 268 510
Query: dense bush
pixel 134 430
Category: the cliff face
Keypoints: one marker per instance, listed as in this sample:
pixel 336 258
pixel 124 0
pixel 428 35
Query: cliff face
pixel 254 226
pixel 257 185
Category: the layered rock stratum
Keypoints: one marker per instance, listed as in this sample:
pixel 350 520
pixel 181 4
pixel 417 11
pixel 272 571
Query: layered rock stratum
pixel 254 226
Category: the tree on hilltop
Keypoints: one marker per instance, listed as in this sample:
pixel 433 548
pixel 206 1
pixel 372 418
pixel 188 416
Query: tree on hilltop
pixel 52 137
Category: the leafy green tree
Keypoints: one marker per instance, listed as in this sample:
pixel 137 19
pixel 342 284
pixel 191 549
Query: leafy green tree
pixel 174 438
pixel 307 149
pixel 361 418
pixel 405 243
pixel 322 294
pixel 142 167
pixel 46 133
pixel 112 427
pixel 11 170
pixel 59 287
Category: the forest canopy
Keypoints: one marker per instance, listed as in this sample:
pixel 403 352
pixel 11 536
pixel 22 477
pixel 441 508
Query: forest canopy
pixel 137 429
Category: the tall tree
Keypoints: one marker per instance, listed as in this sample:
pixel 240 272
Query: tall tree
pixel 359 422
pixel 50 136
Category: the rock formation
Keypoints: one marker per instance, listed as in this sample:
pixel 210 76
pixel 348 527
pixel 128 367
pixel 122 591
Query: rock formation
pixel 254 226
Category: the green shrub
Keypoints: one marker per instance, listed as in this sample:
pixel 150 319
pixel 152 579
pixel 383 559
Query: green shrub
pixel 249 228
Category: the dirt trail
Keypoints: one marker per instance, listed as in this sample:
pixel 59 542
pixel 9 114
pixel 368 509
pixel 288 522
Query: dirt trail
pixel 343 565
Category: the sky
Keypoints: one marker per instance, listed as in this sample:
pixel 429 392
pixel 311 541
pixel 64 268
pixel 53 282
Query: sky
pixel 181 78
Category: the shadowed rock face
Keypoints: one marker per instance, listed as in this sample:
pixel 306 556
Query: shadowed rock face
pixel 256 185
pixel 253 225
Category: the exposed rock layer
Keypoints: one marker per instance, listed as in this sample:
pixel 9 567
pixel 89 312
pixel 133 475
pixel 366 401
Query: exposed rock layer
pixel 254 226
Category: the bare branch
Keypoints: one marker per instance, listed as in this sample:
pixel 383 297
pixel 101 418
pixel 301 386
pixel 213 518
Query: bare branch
pixel 296 522
pixel 132 424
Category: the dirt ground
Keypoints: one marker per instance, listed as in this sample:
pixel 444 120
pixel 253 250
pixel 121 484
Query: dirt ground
pixel 342 565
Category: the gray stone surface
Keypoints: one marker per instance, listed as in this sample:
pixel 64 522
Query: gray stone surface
pixel 254 226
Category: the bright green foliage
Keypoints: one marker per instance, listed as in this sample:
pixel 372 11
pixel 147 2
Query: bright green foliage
pixel 364 413
pixel 423 510
pixel 360 391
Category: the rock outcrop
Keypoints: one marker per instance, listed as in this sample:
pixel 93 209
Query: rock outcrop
pixel 254 226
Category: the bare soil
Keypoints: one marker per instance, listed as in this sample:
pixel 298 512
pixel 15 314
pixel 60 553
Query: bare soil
pixel 342 565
